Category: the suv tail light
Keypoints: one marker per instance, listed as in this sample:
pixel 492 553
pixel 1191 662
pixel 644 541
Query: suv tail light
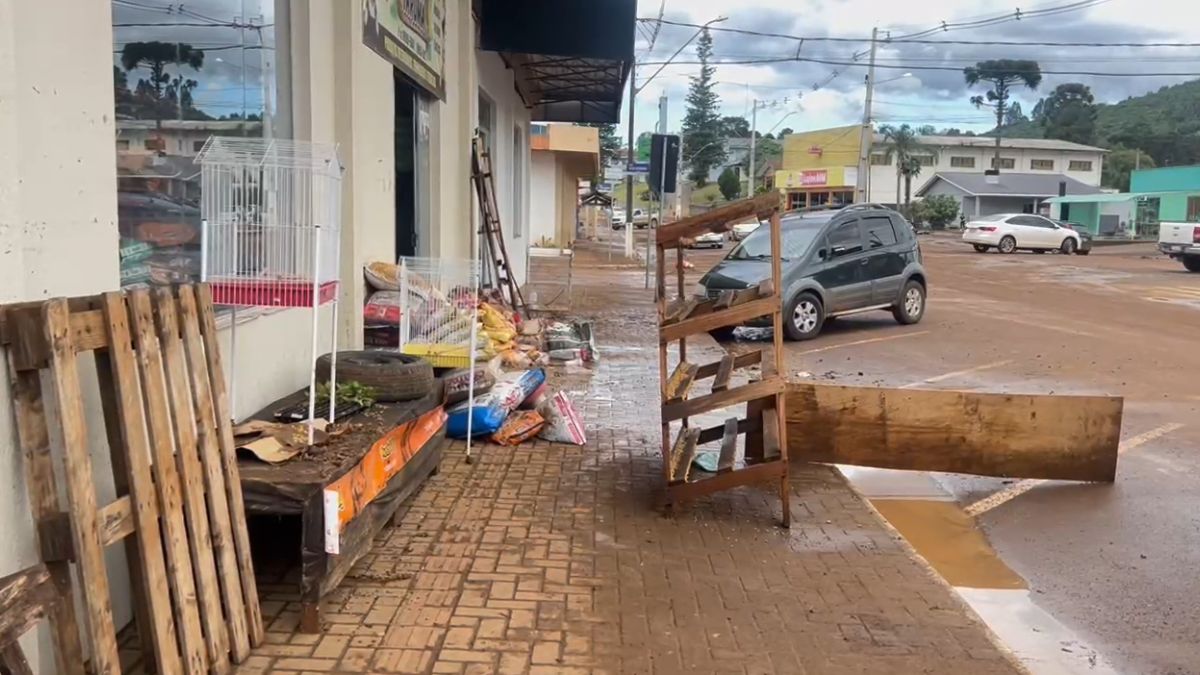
pixel 987 228
pixel 1196 235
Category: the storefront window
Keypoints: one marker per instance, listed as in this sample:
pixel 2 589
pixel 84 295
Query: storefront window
pixel 183 72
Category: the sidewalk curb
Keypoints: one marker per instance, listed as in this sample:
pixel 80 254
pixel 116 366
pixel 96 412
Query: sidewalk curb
pixel 937 578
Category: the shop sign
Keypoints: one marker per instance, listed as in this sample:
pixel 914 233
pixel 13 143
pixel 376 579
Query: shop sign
pixel 813 178
pixel 411 35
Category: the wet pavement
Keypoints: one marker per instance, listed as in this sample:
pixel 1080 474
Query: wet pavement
pixel 1108 567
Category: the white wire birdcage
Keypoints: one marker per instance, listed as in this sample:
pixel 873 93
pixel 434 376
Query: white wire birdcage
pixel 271 212
pixel 439 310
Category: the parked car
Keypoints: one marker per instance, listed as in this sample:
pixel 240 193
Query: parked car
pixel 1181 241
pixel 642 218
pixel 742 230
pixel 1010 232
pixel 852 260
pixel 708 240
pixel 618 219
pixel 1085 237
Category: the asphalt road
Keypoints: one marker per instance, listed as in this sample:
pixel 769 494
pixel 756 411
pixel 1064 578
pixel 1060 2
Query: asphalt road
pixel 1118 563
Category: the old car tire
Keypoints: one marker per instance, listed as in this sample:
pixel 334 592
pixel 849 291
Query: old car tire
pixel 911 306
pixel 1008 244
pixel 1191 263
pixel 803 317
pixel 1068 246
pixel 980 248
pixel 394 377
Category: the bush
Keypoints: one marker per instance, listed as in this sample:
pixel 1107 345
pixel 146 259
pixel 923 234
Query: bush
pixel 729 184
pixel 937 210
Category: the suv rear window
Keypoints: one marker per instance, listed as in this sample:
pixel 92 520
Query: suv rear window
pixel 879 231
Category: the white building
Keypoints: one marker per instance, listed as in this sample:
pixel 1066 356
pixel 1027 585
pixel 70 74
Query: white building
pixel 302 70
pixel 1083 163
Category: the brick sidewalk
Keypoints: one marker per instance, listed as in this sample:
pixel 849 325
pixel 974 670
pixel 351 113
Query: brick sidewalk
pixel 555 559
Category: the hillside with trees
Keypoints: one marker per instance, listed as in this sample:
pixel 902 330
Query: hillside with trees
pixel 1164 125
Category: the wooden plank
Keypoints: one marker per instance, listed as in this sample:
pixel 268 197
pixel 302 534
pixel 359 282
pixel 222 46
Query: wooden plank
pixel 724 372
pixel 728 446
pixel 716 433
pixel 743 360
pixel 81 494
pixel 224 545
pixel 166 480
pixel 683 452
pixel 22 322
pixel 191 471
pixel 729 317
pixel 233 482
pixel 680 382
pixel 718 220
pixel 116 523
pixel 117 372
pixel 722 399
pixel 25 598
pixel 1002 435
pixel 34 440
pixel 13 660
pixel 723 481
pixel 727 299
pixel 772 449
pixel 679 309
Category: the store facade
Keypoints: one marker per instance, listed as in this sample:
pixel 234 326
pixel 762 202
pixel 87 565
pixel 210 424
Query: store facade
pixel 98 188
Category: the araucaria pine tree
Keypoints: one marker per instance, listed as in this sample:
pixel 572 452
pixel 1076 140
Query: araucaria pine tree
pixel 703 148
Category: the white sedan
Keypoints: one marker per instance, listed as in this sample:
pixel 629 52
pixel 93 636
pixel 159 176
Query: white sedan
pixel 1009 232
pixel 742 230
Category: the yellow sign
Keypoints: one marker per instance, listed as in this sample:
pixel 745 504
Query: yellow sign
pixel 411 34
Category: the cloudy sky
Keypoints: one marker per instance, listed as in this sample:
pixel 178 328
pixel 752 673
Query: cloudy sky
pixel 927 96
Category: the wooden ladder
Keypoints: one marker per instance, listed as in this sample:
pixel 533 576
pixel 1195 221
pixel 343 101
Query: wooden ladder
pixel 485 189
pixel 765 457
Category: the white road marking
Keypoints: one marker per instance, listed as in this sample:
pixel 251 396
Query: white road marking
pixel 956 373
pixel 1017 489
pixel 818 350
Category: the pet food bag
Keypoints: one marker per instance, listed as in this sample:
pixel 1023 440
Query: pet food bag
pixel 563 423
pixel 519 427
pixel 491 409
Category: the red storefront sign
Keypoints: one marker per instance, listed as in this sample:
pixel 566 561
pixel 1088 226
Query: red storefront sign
pixel 813 178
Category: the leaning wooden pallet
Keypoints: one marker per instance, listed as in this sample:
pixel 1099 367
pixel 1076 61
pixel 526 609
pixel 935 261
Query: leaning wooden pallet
pixel 178 509
pixel 765 457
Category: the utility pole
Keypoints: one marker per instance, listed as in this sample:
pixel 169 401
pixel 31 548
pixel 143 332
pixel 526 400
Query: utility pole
pixel 753 132
pixel 867 135
pixel 629 165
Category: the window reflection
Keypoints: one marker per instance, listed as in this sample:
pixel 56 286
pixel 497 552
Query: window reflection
pixel 183 72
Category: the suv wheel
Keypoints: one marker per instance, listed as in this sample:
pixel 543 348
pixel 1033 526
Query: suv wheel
pixel 803 317
pixel 911 307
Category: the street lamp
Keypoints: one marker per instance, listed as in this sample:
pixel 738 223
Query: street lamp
pixel 894 79
pixel 633 92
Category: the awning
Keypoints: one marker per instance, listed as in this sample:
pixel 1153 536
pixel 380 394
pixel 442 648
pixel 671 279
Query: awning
pixel 1103 198
pixel 570 57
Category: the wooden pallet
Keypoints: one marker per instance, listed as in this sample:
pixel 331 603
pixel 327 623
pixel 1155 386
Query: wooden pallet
pixel 765 458
pixel 178 509
pixel 25 599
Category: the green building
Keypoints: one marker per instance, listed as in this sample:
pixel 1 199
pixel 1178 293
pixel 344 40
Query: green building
pixel 1169 194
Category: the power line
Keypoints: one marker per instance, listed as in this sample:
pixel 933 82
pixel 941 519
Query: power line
pixel 901 66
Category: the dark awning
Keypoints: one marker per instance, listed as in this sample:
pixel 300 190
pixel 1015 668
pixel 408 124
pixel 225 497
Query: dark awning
pixel 570 57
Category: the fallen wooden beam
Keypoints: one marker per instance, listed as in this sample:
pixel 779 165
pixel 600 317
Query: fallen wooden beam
pixel 1003 435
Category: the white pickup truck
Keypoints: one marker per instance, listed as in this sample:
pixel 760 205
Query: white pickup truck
pixel 1181 241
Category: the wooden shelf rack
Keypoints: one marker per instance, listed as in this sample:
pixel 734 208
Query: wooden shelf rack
pixel 765 457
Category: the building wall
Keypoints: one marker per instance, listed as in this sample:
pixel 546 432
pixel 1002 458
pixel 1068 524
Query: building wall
pixel 497 82
pixel 58 224
pixel 543 206
pixel 1165 179
pixel 838 147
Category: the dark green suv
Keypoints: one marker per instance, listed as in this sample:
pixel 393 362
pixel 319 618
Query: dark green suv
pixel 835 262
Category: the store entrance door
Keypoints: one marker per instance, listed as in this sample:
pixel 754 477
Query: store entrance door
pixel 406 162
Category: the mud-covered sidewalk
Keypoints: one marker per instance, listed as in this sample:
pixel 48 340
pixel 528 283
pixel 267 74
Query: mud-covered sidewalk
pixel 549 558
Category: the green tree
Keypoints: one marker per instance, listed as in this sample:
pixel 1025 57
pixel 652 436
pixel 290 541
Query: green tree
pixel 701 123
pixel 937 210
pixel 162 95
pixel 734 127
pixel 729 184
pixel 1002 75
pixel 1119 165
pixel 910 168
pixel 1069 114
pixel 784 132
pixel 899 144
pixel 1014 114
